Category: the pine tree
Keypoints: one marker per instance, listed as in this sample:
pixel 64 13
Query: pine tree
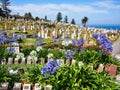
pixel 4 6
pixel 66 19
pixel 73 21
pixel 59 17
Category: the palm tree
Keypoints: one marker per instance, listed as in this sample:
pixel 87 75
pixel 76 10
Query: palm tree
pixel 84 21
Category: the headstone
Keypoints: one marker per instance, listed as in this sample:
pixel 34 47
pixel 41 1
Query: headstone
pixel 68 61
pixel 24 29
pixel 23 60
pixel 4 86
pixel 100 68
pixel 10 60
pixel 37 87
pixel 46 35
pixel 73 62
pixel 27 87
pixel 42 34
pixel 48 87
pixel 16 61
pixel 29 60
pixel 20 70
pixel 116 45
pixel 118 77
pixel 80 63
pixel 42 60
pixel 61 62
pixel 73 36
pixel 111 69
pixel 18 27
pixel 38 34
pixel 3 61
pixel 51 36
pixel 17 86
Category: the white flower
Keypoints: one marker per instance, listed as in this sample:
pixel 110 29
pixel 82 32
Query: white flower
pixel 69 42
pixel 50 55
pixel 33 53
pixel 20 55
pixel 65 43
pixel 38 48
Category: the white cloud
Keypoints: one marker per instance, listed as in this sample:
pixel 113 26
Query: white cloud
pixel 110 4
pixel 53 9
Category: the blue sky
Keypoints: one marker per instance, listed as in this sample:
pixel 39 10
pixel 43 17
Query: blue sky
pixel 98 11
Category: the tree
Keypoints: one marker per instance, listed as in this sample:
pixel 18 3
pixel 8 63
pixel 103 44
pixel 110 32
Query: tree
pixel 28 16
pixel 84 21
pixel 59 17
pixel 73 21
pixel 45 18
pixel 66 19
pixel 36 18
pixel 4 6
pixel 1 12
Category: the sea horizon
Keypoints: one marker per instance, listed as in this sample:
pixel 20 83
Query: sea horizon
pixel 105 26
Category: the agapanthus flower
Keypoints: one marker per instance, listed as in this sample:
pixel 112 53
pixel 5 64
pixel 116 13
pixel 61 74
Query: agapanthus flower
pixel 50 68
pixel 78 43
pixel 69 54
pixel 3 32
pixel 104 43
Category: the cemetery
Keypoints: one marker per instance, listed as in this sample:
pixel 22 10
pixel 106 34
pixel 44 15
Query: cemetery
pixel 41 54
pixel 45 55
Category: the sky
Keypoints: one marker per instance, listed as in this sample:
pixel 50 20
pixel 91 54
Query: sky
pixel 97 11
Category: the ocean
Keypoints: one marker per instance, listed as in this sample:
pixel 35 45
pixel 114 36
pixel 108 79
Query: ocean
pixel 110 27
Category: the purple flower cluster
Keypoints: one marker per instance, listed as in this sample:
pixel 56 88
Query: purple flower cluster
pixel 69 54
pixel 78 43
pixel 50 68
pixel 3 37
pixel 105 43
pixel 3 32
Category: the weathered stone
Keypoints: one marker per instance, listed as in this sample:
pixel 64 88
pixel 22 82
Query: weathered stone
pixel 68 61
pixel 118 78
pixel 10 60
pixel 48 87
pixel 111 69
pixel 80 63
pixel 100 68
pixel 37 87
pixel 73 62
pixel 4 86
pixel 17 86
pixel 27 87
pixel 16 61
pixel 20 70
pixel 42 60
pixel 23 60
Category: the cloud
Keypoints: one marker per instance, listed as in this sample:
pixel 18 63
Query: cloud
pixel 110 4
pixel 53 9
